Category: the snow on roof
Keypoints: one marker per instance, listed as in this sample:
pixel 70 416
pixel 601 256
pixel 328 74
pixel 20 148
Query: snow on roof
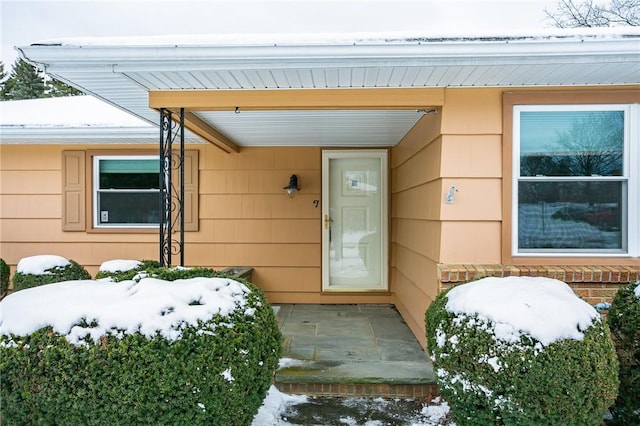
pixel 66 112
pixel 341 38
pixel 543 308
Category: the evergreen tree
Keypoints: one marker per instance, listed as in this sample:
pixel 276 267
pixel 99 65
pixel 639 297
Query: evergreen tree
pixel 56 88
pixel 24 82
pixel 3 77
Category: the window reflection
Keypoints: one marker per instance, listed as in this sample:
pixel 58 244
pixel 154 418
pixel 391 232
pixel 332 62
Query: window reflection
pixel 571 143
pixel 579 215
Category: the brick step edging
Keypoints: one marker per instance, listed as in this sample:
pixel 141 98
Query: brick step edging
pixel 384 390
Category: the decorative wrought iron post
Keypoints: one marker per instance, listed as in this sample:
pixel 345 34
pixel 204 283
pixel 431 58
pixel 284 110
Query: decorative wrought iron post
pixel 171 198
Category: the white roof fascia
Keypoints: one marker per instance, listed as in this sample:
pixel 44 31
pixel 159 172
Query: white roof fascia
pixel 67 56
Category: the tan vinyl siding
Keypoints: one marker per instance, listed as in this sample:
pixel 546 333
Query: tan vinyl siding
pixel 460 147
pixel 247 219
pixel 415 214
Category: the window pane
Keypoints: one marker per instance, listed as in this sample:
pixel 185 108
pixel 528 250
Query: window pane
pixel 570 215
pixel 130 166
pixel 129 174
pixel 128 208
pixel 571 143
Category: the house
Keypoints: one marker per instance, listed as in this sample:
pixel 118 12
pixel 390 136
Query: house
pixel 420 162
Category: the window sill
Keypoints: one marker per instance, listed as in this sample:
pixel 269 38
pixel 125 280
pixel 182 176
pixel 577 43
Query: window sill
pixel 123 231
pixel 620 254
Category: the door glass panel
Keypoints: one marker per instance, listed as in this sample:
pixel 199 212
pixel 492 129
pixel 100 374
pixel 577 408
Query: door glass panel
pixel 355 223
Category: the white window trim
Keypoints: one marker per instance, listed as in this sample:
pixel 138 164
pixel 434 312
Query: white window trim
pixel 631 166
pixel 94 188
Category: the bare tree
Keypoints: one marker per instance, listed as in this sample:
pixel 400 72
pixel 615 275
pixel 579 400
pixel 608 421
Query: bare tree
pixel 592 13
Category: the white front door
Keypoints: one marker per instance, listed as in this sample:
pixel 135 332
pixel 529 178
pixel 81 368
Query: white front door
pixel 355 228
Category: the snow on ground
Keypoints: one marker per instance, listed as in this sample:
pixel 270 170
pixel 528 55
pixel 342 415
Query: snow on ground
pixel 274 405
pixel 436 413
pixel 38 265
pixel 148 306
pixel 277 405
pixel 544 308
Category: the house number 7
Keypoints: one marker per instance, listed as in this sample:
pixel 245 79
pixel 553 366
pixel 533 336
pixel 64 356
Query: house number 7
pixel 316 203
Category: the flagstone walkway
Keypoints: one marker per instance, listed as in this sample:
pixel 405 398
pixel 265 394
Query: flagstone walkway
pixel 364 350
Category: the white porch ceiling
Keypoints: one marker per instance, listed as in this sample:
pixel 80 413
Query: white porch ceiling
pixel 313 128
pixel 123 72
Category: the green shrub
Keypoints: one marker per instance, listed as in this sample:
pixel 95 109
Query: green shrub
pixel 118 276
pixel 624 320
pixel 172 274
pixel 72 271
pixel 492 380
pixel 4 277
pixel 151 268
pixel 215 373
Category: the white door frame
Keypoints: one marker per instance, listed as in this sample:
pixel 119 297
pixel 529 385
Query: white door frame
pixel 383 155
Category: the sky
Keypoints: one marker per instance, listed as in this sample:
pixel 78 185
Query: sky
pixel 23 22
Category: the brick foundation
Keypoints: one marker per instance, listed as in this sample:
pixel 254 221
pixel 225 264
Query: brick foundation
pixel 594 284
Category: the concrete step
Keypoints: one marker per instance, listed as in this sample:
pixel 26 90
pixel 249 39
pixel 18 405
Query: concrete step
pixel 361 378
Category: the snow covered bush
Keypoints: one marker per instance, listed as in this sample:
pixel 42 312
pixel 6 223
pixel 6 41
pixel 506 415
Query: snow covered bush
pixel 46 269
pixel 120 269
pixel 198 351
pixel 172 274
pixel 4 277
pixel 523 351
pixel 624 320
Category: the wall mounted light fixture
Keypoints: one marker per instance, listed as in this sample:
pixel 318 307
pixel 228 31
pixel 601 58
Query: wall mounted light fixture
pixel 450 198
pixel 293 187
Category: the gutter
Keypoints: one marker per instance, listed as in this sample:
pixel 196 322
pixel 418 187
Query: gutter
pixel 68 56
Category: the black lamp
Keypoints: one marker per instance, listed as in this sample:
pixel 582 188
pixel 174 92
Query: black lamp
pixel 292 188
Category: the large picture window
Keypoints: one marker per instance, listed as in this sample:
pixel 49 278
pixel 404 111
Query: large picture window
pixel 126 191
pixel 575 171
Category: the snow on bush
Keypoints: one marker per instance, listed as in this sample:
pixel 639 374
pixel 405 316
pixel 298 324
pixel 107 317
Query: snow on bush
pixel 521 350
pixel 123 269
pixel 119 265
pixel 148 307
pixel 189 351
pixel 38 270
pixel 41 264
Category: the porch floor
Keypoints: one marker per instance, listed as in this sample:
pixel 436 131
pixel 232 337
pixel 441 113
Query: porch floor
pixel 351 350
